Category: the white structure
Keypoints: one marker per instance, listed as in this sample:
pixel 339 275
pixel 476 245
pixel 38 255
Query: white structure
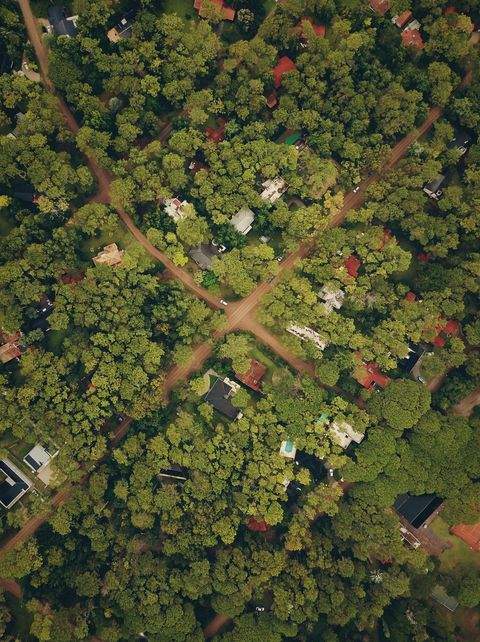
pixel 412 26
pixel 307 334
pixel 110 255
pixel 243 219
pixel 343 434
pixel 273 189
pixel 38 459
pixel 332 298
pixel 288 449
pixel 175 208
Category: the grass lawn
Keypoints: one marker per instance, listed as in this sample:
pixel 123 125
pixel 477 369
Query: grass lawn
pixel 460 554
pixel 121 236
pixel 183 8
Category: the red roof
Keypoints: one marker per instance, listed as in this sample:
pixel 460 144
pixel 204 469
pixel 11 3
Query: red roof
pixel 452 327
pixel 423 257
pixel 380 6
pixel 272 100
pixel 352 263
pixel 410 296
pixel 284 65
pixel 228 12
pixel 257 525
pixel 402 18
pixel 71 278
pixel 448 10
pixel 216 134
pixel 253 377
pixel 412 38
pixel 449 329
pixel 368 374
pixel 320 30
pixel 470 533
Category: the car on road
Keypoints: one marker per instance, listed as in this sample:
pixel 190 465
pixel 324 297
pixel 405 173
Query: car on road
pixel 355 189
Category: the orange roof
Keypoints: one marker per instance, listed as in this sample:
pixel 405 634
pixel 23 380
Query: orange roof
pixel 352 264
pixel 253 377
pixel 320 30
pixel 410 296
pixel 413 38
pixel 470 533
pixel 9 351
pixel 258 525
pixel 228 12
pixel 368 374
pixel 380 6
pixel 284 65
pixel 451 329
pixel 402 18
pixel 272 100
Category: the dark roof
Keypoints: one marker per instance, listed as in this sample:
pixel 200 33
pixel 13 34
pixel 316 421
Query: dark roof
pixel 58 17
pixel 10 493
pixel 435 184
pixel 33 462
pixel 461 140
pixel 219 397
pixel 203 255
pixel 416 509
pixel 408 363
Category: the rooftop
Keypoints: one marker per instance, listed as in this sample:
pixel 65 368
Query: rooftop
pixel 62 23
pixel 243 219
pixel 343 434
pixel 123 29
pixel 110 255
pixel 13 483
pixel 412 38
pixel 352 265
pixel 228 12
pixel 273 189
pixel 416 509
pixel 283 66
pixel 252 378
pixel 203 255
pixel 368 375
pixel 380 6
pixel 319 30
pixel 219 396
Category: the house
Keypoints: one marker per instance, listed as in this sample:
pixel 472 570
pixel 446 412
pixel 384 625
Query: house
pixel 318 30
pixel 123 29
pixel 444 331
pixel 195 166
pixel 217 134
pixel 442 597
pixel 274 188
pixel 174 473
pixel 38 459
pixel 414 356
pixel 257 525
pixel 204 254
pixel 295 138
pixel 417 510
pixel 220 394
pixel 110 255
pixel 254 375
pixel 13 483
pixel 242 221
pixel 10 347
pixel 272 100
pixel 402 19
pixel 73 277
pixel 380 6
pixel 62 24
pixel 342 433
pixel 288 449
pixel 227 12
pixel 461 141
pixel 175 208
pixel 283 66
pixel 332 298
pixel 470 533
pixel 307 334
pixel 352 264
pixel 434 187
pixel 369 376
pixel 411 37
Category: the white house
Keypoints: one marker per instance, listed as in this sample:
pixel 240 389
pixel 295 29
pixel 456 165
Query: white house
pixel 343 434
pixel 243 219
pixel 307 334
pixel 332 298
pixel 273 189
pixel 175 208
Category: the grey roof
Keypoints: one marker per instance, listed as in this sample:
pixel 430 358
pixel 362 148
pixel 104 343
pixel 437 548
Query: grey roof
pixel 203 255
pixel 434 185
pixel 416 509
pixel 219 396
pixel 14 485
pixel 58 17
pixel 461 140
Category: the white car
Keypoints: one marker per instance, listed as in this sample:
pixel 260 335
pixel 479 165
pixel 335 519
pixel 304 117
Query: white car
pixel 223 302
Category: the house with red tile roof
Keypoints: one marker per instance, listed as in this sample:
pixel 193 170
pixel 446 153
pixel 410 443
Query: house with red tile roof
pixel 470 533
pixel 254 375
pixel 216 134
pixel 352 265
pixel 228 12
pixel 412 38
pixel 410 297
pixel 369 376
pixel 257 525
pixel 402 19
pixel 445 330
pixel 380 6
pixel 283 66
pixel 10 348
pixel 319 30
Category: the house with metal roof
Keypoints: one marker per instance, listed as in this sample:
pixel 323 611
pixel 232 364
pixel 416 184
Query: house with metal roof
pixel 13 483
pixel 417 510
pixel 243 220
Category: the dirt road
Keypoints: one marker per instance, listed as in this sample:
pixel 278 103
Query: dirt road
pixel 465 407
pixel 214 626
